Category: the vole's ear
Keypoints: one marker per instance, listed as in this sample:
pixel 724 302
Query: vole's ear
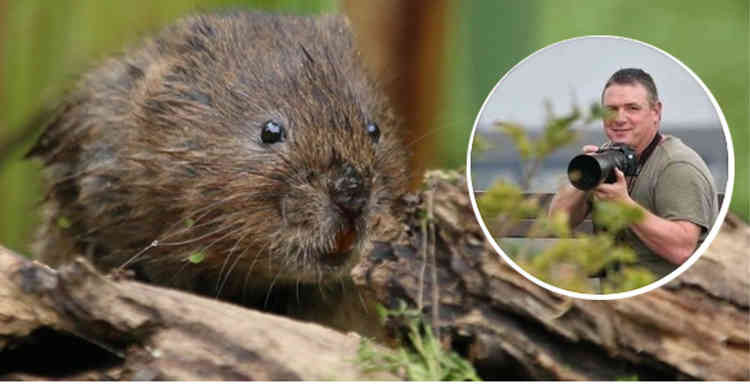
pixel 49 121
pixel 22 137
pixel 38 122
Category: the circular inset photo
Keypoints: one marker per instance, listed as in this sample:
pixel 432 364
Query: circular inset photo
pixel 600 167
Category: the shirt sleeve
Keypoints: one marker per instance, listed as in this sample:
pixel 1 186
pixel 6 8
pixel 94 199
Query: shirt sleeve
pixel 683 193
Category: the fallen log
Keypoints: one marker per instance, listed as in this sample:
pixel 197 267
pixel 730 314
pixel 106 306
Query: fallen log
pixel 75 324
pixel 695 327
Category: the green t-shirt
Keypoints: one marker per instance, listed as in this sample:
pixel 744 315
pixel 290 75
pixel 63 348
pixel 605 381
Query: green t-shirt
pixel 674 184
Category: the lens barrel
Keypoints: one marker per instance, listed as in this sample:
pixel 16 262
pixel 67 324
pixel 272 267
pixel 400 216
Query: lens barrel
pixel 586 171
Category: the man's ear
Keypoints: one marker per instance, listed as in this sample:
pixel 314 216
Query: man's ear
pixel 657 109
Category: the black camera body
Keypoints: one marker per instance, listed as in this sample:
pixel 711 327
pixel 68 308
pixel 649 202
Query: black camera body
pixel 586 171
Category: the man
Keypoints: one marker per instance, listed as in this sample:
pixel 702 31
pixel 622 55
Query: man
pixel 673 187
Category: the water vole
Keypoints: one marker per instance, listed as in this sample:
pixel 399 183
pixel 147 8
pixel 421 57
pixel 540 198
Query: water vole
pixel 230 153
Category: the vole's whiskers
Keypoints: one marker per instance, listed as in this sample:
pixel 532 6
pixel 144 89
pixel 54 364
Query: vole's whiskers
pixel 198 238
pixel 135 257
pixel 220 282
pixel 438 128
pixel 250 269
pixel 201 212
pixel 229 272
pixel 183 265
pixel 270 287
pixel 296 291
pixel 319 278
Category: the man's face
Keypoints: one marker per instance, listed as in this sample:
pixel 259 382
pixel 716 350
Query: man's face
pixel 631 119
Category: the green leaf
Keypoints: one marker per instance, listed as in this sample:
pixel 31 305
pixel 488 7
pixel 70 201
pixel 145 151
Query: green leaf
pixel 63 222
pixel 421 358
pixel 481 144
pixel 196 257
pixel 524 145
pixel 506 199
pixel 615 216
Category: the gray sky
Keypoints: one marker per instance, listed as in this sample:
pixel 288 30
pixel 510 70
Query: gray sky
pixel 573 72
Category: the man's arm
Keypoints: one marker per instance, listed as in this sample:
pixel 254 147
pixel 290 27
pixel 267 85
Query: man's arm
pixel 572 201
pixel 674 240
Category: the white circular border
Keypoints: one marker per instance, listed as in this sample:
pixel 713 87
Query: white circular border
pixel 693 258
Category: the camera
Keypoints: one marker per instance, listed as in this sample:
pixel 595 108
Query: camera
pixel 586 171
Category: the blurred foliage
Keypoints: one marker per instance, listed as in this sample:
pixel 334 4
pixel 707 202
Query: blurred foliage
pixel 557 133
pixel 45 44
pixel 614 217
pixel 420 357
pixel 481 144
pixel 506 201
pixel 569 262
pixel 572 259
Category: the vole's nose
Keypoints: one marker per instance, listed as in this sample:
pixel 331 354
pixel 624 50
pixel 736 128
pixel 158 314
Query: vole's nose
pixel 349 192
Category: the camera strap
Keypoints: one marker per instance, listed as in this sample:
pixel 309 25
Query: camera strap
pixel 643 158
pixel 649 150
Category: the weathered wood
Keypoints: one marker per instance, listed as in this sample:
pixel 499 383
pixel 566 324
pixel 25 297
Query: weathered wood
pixel 147 332
pixel 696 327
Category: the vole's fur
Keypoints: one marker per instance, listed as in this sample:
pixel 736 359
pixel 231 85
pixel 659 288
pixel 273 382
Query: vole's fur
pixel 155 160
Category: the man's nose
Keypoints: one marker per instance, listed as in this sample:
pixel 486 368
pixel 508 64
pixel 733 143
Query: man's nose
pixel 619 117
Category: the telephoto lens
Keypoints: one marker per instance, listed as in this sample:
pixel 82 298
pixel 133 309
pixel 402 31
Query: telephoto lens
pixel 586 171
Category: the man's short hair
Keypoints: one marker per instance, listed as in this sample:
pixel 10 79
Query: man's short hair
pixel 634 76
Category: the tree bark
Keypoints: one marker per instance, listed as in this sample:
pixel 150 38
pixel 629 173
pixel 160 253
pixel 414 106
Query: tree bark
pixel 695 327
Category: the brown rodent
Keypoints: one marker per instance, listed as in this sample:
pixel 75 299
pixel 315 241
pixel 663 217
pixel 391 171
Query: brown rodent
pixel 233 154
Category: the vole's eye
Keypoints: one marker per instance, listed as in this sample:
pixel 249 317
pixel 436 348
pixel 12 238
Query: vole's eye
pixel 272 132
pixel 373 131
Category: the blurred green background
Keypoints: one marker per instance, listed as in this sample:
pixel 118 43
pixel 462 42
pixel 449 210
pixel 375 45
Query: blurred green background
pixel 45 44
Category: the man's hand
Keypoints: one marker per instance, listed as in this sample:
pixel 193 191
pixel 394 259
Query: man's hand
pixel 589 149
pixel 675 240
pixel 617 191
pixel 572 201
